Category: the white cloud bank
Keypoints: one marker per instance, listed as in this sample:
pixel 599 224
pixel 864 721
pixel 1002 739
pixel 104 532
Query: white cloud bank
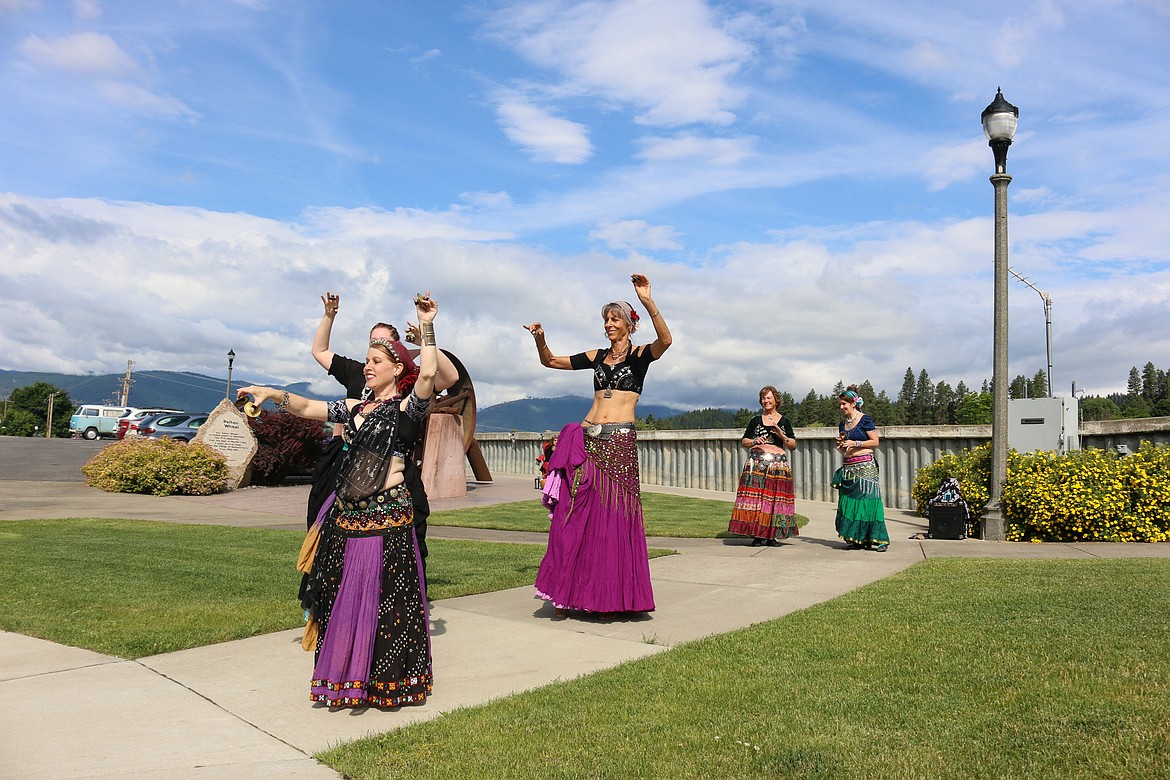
pixel 90 284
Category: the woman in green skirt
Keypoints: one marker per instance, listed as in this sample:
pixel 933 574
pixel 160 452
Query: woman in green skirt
pixel 861 518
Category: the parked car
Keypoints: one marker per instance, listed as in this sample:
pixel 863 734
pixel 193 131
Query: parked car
pixel 128 425
pixel 92 420
pixel 182 426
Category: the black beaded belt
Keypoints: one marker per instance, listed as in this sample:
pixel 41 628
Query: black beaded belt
pixel 386 496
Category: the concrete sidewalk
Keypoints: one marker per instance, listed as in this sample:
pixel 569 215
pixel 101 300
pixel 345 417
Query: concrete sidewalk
pixel 241 708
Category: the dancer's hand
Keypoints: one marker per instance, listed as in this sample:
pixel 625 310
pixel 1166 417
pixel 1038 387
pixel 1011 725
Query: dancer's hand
pixel 332 303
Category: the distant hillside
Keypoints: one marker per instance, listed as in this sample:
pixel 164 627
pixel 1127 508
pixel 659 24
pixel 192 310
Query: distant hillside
pixel 199 393
pixel 167 389
pixel 546 414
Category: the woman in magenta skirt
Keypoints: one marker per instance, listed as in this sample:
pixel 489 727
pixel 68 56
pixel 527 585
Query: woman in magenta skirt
pixel 596 560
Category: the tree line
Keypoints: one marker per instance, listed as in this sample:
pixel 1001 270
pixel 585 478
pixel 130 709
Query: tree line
pixel 26 411
pixel 920 401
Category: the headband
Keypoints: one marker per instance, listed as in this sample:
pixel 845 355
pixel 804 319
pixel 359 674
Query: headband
pixel 398 349
pixel 628 313
pixel 852 398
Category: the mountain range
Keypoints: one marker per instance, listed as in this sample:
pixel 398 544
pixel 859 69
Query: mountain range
pixel 197 392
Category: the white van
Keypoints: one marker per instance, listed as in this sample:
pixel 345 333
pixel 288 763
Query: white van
pixel 94 421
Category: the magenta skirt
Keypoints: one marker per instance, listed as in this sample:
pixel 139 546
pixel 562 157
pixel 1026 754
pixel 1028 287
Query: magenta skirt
pixel 596 559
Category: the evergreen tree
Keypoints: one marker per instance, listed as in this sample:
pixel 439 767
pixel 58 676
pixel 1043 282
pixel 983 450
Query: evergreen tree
pixel 906 396
pixel 945 402
pixel 808 412
pixel 1134 385
pixel 922 408
pixel 1136 404
pixel 1018 388
pixel 1153 382
pixel 1038 387
pixel 885 412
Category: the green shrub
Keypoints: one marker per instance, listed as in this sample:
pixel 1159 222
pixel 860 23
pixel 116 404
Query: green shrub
pixel 1087 495
pixel 285 444
pixel 973 470
pixel 160 467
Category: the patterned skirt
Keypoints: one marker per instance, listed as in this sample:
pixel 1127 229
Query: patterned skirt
pixel 596 559
pixel 373 646
pixel 765 501
pixel 861 518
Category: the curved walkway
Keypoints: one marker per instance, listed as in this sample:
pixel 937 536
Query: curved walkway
pixel 241 708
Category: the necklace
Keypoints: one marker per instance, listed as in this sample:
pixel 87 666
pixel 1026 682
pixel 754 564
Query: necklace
pixel 373 403
pixel 853 420
pixel 613 359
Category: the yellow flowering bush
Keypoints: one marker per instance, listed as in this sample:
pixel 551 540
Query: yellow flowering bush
pixel 160 467
pixel 973 470
pixel 1088 495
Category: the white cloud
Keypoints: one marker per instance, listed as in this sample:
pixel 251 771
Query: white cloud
pixel 720 152
pixel 86 53
pixel 848 302
pixel 545 137
pixel 636 234
pixel 142 101
pixel 669 59
pixel 946 165
pixel 398 225
pixel 16 6
pixel 87 10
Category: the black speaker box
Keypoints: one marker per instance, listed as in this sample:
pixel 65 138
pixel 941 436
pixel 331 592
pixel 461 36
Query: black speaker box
pixel 947 522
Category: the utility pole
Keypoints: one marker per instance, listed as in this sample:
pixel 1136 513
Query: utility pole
pixel 124 385
pixel 49 418
pixel 1047 323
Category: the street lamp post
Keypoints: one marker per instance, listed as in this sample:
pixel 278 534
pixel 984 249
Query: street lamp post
pixel 231 359
pixel 999 124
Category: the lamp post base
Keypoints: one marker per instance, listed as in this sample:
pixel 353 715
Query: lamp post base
pixel 993 525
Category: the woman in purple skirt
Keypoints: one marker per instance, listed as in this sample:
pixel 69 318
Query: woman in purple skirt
pixel 596 559
pixel 368 615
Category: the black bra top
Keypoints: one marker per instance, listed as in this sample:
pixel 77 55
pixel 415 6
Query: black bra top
pixel 628 375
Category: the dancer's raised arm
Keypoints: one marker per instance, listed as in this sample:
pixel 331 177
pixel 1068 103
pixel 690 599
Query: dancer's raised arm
pixel 321 352
pixel 547 358
pixel 662 340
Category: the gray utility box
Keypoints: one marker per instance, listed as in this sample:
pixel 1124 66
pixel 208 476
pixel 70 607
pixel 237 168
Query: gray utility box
pixel 1043 424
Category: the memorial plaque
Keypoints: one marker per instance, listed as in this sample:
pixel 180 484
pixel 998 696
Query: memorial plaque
pixel 228 433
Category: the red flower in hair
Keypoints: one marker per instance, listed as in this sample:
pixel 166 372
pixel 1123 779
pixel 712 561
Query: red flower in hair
pixel 633 315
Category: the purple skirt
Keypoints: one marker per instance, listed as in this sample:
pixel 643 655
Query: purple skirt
pixel 596 559
pixel 374 645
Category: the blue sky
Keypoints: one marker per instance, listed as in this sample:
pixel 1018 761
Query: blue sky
pixel 804 183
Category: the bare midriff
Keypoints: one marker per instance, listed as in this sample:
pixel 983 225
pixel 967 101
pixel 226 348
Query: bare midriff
pixel 619 408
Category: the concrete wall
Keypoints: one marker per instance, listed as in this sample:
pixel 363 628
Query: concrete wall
pixel 712 459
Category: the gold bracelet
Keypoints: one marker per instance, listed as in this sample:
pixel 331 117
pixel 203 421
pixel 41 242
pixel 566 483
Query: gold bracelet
pixel 427 330
pixel 656 314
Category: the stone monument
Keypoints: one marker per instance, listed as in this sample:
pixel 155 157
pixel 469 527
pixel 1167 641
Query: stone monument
pixel 227 432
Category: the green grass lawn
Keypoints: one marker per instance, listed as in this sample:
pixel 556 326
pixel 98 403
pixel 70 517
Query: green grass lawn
pixel 955 668
pixel 136 588
pixel 665 515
